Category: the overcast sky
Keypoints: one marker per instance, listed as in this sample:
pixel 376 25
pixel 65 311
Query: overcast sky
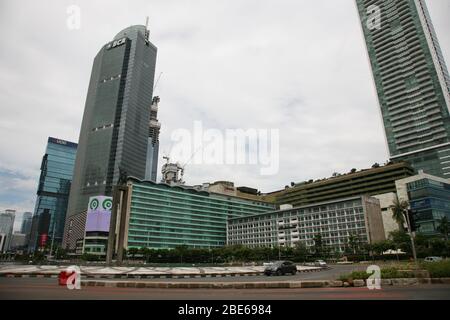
pixel 299 66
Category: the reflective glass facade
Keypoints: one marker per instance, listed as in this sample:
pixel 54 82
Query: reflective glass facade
pixel 411 80
pixel 430 201
pixel 162 216
pixel 54 184
pixel 115 126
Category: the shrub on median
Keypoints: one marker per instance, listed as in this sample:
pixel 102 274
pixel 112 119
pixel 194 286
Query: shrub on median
pixel 439 269
pixel 386 273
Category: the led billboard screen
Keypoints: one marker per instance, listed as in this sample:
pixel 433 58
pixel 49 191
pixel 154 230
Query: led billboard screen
pixel 98 214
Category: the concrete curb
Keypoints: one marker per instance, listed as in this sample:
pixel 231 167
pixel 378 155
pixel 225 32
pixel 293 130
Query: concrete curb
pixel 258 285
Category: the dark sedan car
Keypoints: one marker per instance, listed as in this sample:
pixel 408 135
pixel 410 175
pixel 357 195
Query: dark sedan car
pixel 280 268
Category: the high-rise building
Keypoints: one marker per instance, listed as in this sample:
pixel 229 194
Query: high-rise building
pixel 54 186
pixel 6 229
pixel 114 133
pixel 153 142
pixel 412 82
pixel 25 228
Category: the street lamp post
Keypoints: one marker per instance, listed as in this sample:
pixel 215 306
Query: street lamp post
pixel 413 247
pixel 53 239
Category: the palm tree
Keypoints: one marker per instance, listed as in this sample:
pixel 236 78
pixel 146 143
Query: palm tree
pixel 398 211
pixel 353 242
pixel 444 227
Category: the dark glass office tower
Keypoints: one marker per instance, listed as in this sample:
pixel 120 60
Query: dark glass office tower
pixel 54 186
pixel 411 80
pixel 115 126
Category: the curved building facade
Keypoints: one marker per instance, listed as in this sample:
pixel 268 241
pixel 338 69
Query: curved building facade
pixel 115 126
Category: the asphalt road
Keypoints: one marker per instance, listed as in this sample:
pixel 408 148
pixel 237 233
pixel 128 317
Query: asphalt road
pixel 327 274
pixel 44 288
pixel 332 273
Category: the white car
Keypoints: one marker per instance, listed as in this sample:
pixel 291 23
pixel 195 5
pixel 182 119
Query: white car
pixel 320 263
pixel 433 259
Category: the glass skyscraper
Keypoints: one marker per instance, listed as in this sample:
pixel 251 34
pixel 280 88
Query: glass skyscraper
pixel 53 189
pixel 115 127
pixel 430 202
pixel 412 82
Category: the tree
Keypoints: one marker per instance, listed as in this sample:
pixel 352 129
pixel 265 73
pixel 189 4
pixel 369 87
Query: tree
pixel 353 242
pixel 132 251
pixel 398 211
pixel 181 251
pixel 353 170
pixel 444 227
pixel 300 251
pixel 401 240
pixel 381 246
pixel 318 244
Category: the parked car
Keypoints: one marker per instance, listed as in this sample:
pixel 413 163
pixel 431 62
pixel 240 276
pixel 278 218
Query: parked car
pixel 280 268
pixel 320 263
pixel 433 259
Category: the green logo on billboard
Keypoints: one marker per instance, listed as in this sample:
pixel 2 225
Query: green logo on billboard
pixel 107 204
pixel 94 204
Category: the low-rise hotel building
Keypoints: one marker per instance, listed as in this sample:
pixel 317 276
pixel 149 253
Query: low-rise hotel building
pixel 335 221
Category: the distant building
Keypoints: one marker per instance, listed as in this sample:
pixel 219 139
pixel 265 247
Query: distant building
pixel 386 204
pixel 411 80
pixel 33 237
pixel 370 182
pixel 25 228
pixel 335 221
pixel 6 229
pixel 39 236
pixel 26 222
pixel 54 186
pixel 75 231
pixel 228 188
pixel 429 200
pixel 18 241
pixel 114 135
pixel 172 173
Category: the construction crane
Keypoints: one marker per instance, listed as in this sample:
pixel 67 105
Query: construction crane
pixel 156 83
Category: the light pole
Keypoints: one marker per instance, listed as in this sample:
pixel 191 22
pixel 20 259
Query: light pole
pixel 53 239
pixel 413 247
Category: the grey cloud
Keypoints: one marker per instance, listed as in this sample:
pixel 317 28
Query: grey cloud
pixel 299 66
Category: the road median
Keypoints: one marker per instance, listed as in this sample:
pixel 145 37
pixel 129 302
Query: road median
pixel 259 284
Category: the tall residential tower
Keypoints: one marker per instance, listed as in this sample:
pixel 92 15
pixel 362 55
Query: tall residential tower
pixel 115 127
pixel 412 82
